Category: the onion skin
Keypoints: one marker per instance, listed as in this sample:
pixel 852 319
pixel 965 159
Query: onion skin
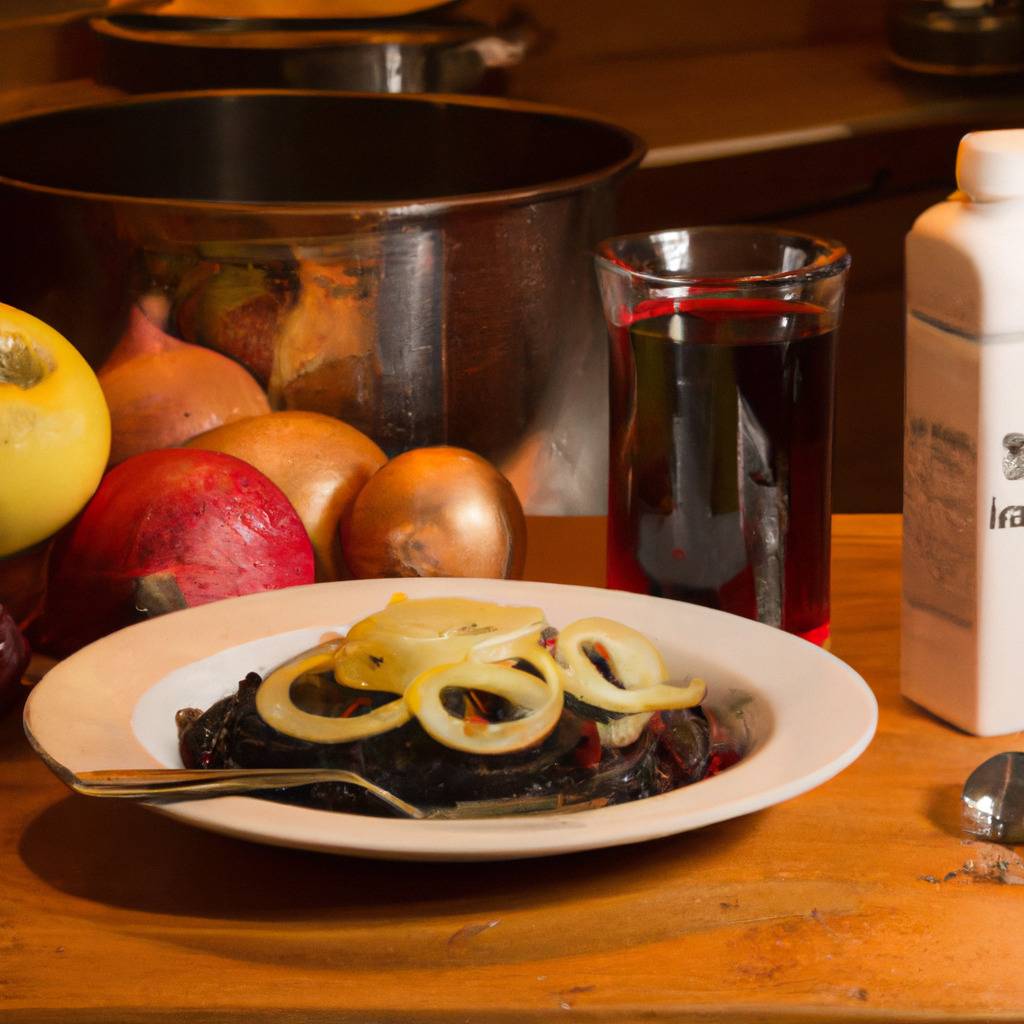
pixel 14 655
pixel 319 462
pixel 436 512
pixel 162 391
pixel 218 525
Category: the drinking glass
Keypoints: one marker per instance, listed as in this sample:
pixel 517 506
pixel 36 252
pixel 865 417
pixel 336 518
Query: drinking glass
pixel 722 379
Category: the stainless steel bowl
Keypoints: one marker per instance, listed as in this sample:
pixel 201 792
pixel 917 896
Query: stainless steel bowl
pixel 419 267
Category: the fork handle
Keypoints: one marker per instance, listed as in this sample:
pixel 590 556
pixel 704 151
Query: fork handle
pixel 193 784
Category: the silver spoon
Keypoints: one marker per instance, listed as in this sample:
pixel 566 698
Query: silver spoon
pixel 992 804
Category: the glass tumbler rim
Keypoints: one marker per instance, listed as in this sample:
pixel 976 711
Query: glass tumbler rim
pixel 831 258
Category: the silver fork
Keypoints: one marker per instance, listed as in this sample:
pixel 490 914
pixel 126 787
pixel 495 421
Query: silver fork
pixel 166 784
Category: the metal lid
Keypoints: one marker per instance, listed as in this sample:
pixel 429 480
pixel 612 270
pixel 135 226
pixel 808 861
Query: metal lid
pixel 957 37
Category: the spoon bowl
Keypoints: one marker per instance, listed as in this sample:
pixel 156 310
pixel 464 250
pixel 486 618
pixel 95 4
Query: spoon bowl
pixel 992 804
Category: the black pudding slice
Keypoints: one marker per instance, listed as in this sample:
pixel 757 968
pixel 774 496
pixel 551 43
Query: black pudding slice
pixel 411 764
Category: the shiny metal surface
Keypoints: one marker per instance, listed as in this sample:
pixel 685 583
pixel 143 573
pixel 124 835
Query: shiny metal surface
pixel 155 52
pixel 162 784
pixel 418 267
pixel 169 785
pixel 992 802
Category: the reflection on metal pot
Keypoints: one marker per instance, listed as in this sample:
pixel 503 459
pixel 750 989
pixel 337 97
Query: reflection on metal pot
pixel 419 268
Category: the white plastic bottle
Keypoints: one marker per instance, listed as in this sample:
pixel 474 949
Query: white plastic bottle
pixel 963 491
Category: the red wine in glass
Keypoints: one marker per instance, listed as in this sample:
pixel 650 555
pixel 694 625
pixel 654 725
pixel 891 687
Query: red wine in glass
pixel 721 440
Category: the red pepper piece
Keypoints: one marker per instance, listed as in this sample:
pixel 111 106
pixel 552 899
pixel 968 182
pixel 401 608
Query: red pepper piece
pixel 719 761
pixel 359 702
pixel 588 750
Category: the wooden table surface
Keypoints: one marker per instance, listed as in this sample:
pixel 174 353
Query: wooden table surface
pixel 858 901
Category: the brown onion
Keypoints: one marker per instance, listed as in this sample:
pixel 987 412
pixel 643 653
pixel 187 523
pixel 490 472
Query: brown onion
pixel 162 391
pixel 436 512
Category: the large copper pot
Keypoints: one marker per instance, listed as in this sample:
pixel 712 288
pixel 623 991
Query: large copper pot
pixel 419 267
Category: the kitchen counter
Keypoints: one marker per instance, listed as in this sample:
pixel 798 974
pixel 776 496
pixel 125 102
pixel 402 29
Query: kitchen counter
pixel 857 901
pixel 708 106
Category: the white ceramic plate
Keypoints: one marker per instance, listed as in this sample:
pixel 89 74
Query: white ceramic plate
pixel 112 705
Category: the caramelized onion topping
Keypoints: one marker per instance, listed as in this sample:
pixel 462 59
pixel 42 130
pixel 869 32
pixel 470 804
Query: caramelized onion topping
pixel 421 650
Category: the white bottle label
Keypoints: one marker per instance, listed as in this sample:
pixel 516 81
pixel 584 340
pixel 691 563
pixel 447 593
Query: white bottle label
pixel 940 488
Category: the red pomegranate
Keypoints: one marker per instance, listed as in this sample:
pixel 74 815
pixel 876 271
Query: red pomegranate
pixel 194 524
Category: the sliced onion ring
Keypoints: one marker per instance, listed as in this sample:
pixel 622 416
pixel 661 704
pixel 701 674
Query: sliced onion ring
pixel 621 732
pixel 378 658
pixel 542 698
pixel 634 660
pixel 523 644
pixel 371 665
pixel 275 705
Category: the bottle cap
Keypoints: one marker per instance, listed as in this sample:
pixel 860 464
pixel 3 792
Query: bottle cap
pixel 990 165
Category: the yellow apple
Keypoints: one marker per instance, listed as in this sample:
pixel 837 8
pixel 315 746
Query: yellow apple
pixel 54 431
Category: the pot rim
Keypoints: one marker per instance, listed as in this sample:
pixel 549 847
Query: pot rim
pixel 279 37
pixel 401 207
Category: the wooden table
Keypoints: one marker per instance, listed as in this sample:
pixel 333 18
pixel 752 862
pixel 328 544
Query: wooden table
pixel 858 901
